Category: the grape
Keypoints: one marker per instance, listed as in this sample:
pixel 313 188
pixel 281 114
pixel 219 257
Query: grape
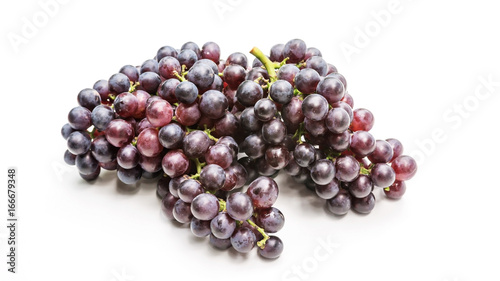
pixel 249 166
pixel 396 190
pixel 243 240
pixel 231 144
pixel 383 175
pixel 211 51
pixel 364 205
pixel 288 73
pixel 337 121
pixel 239 205
pixel 129 176
pixel 339 77
pixel 167 90
pixel 340 204
pixel 225 126
pixel 220 155
pixel 175 163
pixel 168 67
pixel 171 136
pixel 249 121
pixel 205 206
pixel 315 128
pixel 405 167
pixel 274 131
pixel 315 107
pixel 292 168
pixel 162 186
pixel 86 163
pixel 142 100
pixel 281 91
pixel 264 169
pixel 383 152
pixel 148 143
pixel 79 118
pixel 174 184
pixel 159 113
pixel 258 75
pixel 277 157
pixel 236 177
pixel 304 154
pixel 249 92
pixel 311 52
pixel 200 228
pixel 167 205
pixel 331 68
pixel 193 47
pixel 182 211
pixel 212 177
pixel 328 190
pixel 222 226
pixel 188 114
pixel 150 81
pixel 186 92
pixel 189 189
pixel 213 104
pixel 233 75
pixel 102 150
pixel 265 110
pixel 362 120
pixel 397 148
pixel 119 132
pixel 323 171
pixel 69 158
pixel 187 58
pixel 292 112
pixel 277 53
pixel 150 65
pixel 295 50
pixel 272 249
pixel 201 75
pixel 362 143
pixel 271 219
pixel 125 104
pixel 339 142
pixel 102 87
pixel 347 168
pixel 151 164
pixel 220 244
pixel 263 192
pixel 89 98
pixel 195 144
pixel 317 63
pixel 307 80
pixel 164 52
pixel 237 59
pixel 66 130
pixel 119 83
pixel 92 176
pixel 361 187
pixel 254 146
pixel 78 142
pixel 332 89
pixel 143 125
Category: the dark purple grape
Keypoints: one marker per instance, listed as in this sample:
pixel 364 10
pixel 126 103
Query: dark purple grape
pixel 396 190
pixel 89 98
pixel 200 228
pixel 340 204
pixel 187 57
pixel 175 163
pixel 274 131
pixel 101 116
pixel 263 192
pixel 328 190
pixel 362 143
pixel 211 51
pixel 69 158
pixel 237 59
pixel 264 169
pixel 288 73
pixel 195 144
pixel 213 104
pixel 323 171
pixel 189 189
pixel 295 50
pixel 186 92
pixel 397 148
pixel 205 206
pixel 315 107
pixel 277 157
pixel 79 118
pixel 315 128
pixel 236 177
pixel 311 52
pixel 66 130
pixel 317 63
pixel 129 176
pixel 167 205
pixel 220 244
pixel 171 136
pixel 276 53
pixel 212 177
pixel 249 165
pixel 102 150
pixel 271 219
pixel 348 99
pixel 193 47
pixel 149 65
pixel 168 67
pixel 272 249
pixel 332 89
pixel 254 146
pixel 162 186
pixel 125 104
pixel 281 91
pixel 222 226
pixel 92 176
pixel 337 121
pixel 339 142
pixel 361 187
pixel 167 90
pixel 364 205
pixel 174 184
pixel 307 80
pixel 265 109
pixel 102 87
pixel 258 75
pixel 382 175
pixel 339 77
pixel 233 75
pixel 292 168
pixel 201 75
pixel 249 121
pixel 383 152
pixel 227 125
pixel 78 142
pixel 220 155
pixel 148 143
pixel 182 211
pixel 239 206
pixel 304 154
pixel 344 106
pixel 231 143
pixel 249 92
pixel 150 81
pixel 243 240
pixel 86 163
pixel 347 168
pixel 151 164
pixel 292 112
pixel 165 51
pixel 119 83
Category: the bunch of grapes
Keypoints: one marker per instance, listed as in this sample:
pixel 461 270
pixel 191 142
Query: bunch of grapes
pixel 206 127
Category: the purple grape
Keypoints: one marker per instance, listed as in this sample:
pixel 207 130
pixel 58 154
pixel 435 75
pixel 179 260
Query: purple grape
pixel 200 228
pixel 212 177
pixel 271 219
pixel 340 204
pixel 263 192
pixel 328 190
pixel 243 240
pixel 361 187
pixel 347 168
pixel 189 189
pixel 175 163
pixel 239 206
pixel 129 176
pixel 79 142
pixel 272 249
pixel 205 206
pixel 364 205
pixel 222 226
pixel 89 98
pixel 315 107
pixel 382 175
pixel 79 118
pixel 182 211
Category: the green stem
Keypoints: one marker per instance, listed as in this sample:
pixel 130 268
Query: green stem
pixel 364 171
pixel 262 243
pixel 199 166
pixel 387 189
pixel 268 64
pixel 299 133
pixel 133 86
pixel 222 205
pixel 209 133
pixel 181 78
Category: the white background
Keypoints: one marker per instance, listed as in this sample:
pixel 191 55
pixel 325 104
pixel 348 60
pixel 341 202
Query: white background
pixel 423 63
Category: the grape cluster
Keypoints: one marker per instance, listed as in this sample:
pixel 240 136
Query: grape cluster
pixel 206 127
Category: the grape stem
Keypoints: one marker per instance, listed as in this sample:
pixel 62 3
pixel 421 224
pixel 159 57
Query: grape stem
pixel 133 86
pixel 268 64
pixel 181 78
pixel 364 171
pixel 209 133
pixel 199 165
pixel 222 205
pixel 262 243
pixel 299 133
